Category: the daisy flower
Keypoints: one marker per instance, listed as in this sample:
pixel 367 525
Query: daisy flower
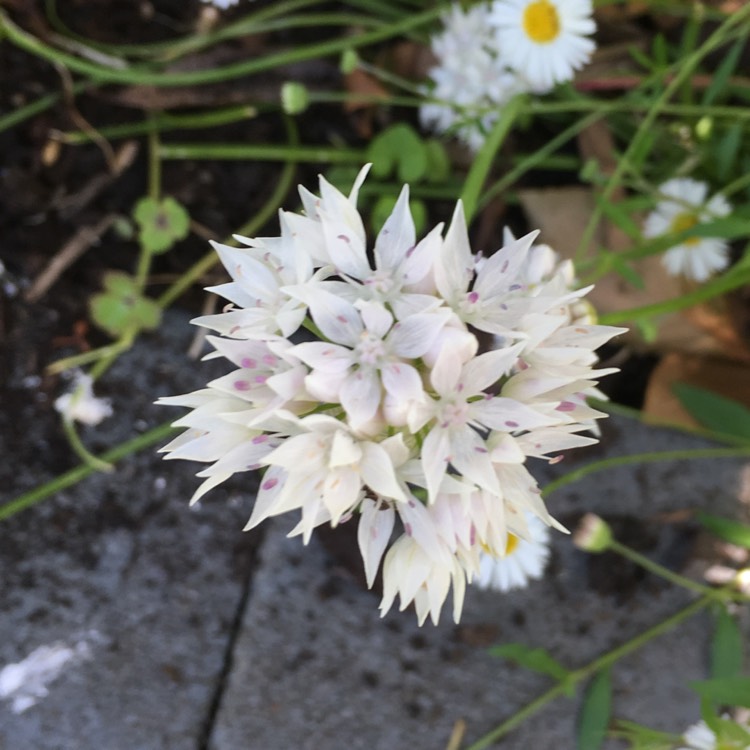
pixel 544 41
pixel 701 737
pixel 80 405
pixel 392 417
pixel 682 207
pixel 524 560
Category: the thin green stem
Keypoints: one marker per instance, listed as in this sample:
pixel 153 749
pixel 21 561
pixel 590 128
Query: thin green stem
pixel 661 571
pixel 482 164
pixel 703 293
pixel 146 76
pixel 86 358
pixel 69 478
pixel 164 123
pixel 239 152
pixel 34 108
pixel 533 160
pixel 88 458
pixel 598 664
pixel 642 458
pixel 154 163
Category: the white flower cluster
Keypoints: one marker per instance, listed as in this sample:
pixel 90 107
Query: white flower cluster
pixel 492 51
pixel 701 737
pixel 390 410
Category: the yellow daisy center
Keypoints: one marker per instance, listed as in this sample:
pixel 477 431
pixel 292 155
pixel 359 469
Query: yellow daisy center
pixel 541 21
pixel 511 545
pixel 684 221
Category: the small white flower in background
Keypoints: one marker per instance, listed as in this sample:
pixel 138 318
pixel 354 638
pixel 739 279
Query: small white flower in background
pixel 468 76
pixel 223 4
pixel 524 560
pixel 392 417
pixel 80 405
pixel 699 737
pixel 544 41
pixel 684 205
pixel 24 684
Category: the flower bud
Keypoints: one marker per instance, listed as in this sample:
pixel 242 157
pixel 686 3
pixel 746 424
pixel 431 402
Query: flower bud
pixel 593 534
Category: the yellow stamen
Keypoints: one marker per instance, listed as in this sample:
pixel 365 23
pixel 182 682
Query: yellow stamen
pixel 541 21
pixel 684 221
pixel 511 544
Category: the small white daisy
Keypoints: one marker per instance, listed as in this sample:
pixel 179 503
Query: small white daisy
pixel 545 41
pixel 698 737
pixel 80 404
pixel 524 560
pixel 683 206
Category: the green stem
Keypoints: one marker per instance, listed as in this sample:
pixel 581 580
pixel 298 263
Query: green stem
pixel 88 458
pixel 165 122
pixel 685 69
pixel 34 108
pixel 598 664
pixel 75 475
pixel 703 293
pixel 86 358
pixel 154 163
pixel 642 458
pixel 662 572
pixel 235 152
pixel 483 162
pixel 538 157
pixel 143 76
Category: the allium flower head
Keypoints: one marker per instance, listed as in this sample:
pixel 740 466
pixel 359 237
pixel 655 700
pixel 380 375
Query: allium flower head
pixel 385 411
pixel 684 205
pixel 544 41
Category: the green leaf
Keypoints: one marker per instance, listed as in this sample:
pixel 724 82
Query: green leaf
pixel 728 691
pixel 731 531
pixel 596 712
pixel 398 148
pixel 726 646
pixel 536 659
pixel 728 149
pixel 645 738
pixel 717 413
pixel 122 307
pixel 438 163
pixel 722 73
pixel 161 223
pixel 627 272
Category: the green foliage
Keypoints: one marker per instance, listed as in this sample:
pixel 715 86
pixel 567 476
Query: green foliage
pixel 595 712
pixel 121 307
pixel 161 223
pixel 398 149
pixel 644 738
pixel 726 691
pixel 726 647
pixel 731 531
pixel 535 659
pixel 714 412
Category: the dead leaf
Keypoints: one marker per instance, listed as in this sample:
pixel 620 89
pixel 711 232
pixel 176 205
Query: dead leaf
pixel 722 376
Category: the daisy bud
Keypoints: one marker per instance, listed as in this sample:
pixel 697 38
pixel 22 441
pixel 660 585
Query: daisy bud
pixel 593 534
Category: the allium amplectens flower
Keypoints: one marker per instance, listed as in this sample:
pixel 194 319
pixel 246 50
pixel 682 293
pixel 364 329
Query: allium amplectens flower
pixel 361 392
pixel 683 205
